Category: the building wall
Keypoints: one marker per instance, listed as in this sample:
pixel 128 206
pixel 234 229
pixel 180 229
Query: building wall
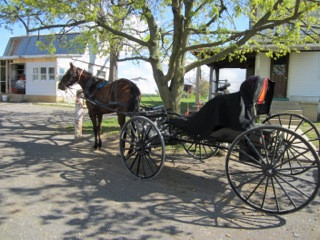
pixel 304 76
pixel 40 87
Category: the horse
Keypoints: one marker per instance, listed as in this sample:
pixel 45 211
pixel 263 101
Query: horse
pixel 103 97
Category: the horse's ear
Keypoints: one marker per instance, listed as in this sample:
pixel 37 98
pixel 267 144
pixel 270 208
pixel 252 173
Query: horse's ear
pixel 71 65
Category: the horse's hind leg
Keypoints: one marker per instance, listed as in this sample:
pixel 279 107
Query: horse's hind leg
pixel 99 129
pixel 121 119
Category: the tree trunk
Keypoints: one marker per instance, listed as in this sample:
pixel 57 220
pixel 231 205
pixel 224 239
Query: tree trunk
pixel 171 95
pixel 113 71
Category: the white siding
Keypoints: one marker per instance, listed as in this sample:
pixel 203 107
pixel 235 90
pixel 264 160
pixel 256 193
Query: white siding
pixel 90 63
pixel 262 65
pixel 304 75
pixel 40 87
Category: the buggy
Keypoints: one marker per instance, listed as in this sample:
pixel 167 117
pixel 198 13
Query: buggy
pixel 273 168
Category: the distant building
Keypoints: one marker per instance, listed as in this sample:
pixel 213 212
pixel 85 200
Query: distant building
pixel 28 72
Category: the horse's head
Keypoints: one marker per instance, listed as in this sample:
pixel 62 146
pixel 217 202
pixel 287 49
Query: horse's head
pixel 69 78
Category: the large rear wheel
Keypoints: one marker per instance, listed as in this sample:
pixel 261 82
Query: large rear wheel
pixel 273 169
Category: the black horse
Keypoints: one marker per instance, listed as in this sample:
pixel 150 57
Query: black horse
pixel 103 97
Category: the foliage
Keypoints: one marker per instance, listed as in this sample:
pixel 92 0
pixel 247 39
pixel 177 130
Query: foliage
pixel 164 33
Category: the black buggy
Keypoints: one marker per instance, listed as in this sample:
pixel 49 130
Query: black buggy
pixel 273 167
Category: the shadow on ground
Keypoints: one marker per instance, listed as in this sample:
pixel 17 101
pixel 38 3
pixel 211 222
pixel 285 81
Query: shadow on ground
pixel 91 194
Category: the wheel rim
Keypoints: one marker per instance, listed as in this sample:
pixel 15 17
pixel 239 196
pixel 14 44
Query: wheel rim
pixel 262 169
pixel 142 147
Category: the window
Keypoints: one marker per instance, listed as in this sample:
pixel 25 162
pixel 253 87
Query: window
pixel 35 73
pixel 51 73
pixel 43 73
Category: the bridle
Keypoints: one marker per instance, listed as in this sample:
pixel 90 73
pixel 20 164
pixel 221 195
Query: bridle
pixel 80 75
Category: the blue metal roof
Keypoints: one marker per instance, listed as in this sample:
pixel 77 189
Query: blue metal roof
pixel 27 45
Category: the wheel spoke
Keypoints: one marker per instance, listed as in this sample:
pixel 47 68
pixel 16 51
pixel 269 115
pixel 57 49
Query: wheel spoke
pixel 265 192
pixel 130 155
pixel 249 181
pixel 297 168
pixel 290 121
pixel 297 178
pixel 294 187
pixel 298 126
pixel 275 194
pixel 294 157
pixel 134 161
pixel 139 161
pixel 190 146
pixel 253 191
pixel 254 148
pixel 245 163
pixel 246 172
pixel 149 164
pixel 127 141
pixel 152 160
pixel 285 192
pixel 251 158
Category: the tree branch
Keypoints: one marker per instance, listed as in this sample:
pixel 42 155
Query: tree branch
pixel 133 58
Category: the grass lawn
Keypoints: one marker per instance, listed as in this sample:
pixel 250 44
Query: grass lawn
pixel 110 124
pixel 186 102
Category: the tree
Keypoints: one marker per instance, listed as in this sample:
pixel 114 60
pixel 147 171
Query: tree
pixel 164 33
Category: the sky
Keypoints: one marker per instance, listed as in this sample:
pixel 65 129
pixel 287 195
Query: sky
pixel 130 70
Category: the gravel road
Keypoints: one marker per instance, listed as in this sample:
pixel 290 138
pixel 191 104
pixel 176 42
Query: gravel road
pixel 53 187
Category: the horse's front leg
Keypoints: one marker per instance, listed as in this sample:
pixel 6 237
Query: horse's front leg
pixel 93 118
pixel 99 129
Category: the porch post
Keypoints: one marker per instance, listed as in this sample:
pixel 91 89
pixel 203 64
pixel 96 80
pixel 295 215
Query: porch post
pixel 210 96
pixel 78 115
pixel 8 84
pixel 217 72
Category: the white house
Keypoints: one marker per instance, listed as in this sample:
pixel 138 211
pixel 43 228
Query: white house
pixel 296 76
pixel 30 73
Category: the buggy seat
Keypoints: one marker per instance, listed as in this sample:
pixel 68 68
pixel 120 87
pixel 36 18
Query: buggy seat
pixel 230 114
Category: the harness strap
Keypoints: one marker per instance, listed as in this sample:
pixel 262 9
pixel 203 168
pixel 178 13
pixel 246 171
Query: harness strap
pixel 91 89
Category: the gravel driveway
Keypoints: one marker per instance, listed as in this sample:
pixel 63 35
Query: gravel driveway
pixel 52 187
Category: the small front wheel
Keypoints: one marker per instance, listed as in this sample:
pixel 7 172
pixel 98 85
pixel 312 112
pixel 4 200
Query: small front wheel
pixel 142 147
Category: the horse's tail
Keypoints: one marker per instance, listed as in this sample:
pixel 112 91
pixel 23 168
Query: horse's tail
pixel 135 98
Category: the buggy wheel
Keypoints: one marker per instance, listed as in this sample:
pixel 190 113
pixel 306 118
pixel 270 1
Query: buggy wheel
pixel 199 149
pixel 296 123
pixel 260 167
pixel 142 147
